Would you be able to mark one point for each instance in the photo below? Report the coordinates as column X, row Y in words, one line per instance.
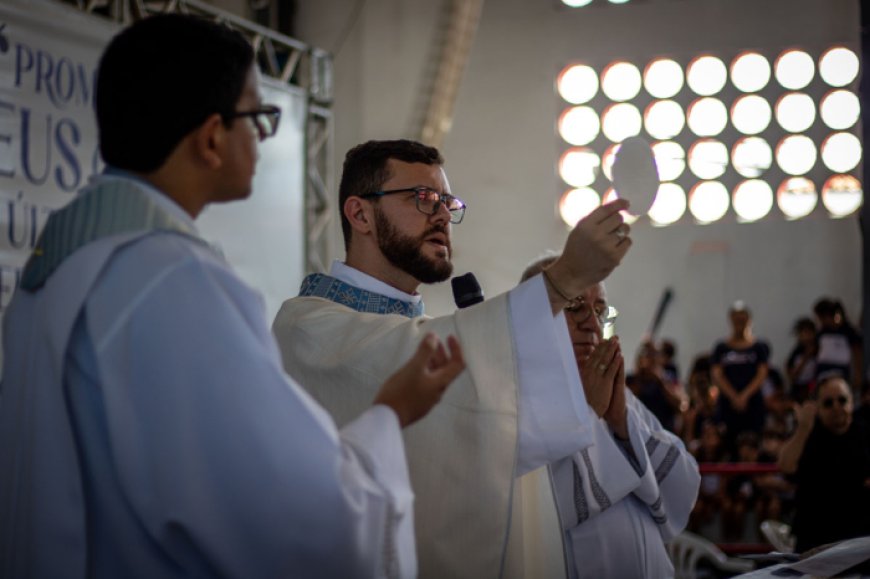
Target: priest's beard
column 406, row 253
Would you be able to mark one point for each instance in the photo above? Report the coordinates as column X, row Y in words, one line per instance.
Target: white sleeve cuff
column 554, row 418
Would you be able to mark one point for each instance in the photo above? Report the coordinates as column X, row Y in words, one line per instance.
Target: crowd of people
column 735, row 406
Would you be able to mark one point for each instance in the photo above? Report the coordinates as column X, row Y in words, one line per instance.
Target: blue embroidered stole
column 327, row 287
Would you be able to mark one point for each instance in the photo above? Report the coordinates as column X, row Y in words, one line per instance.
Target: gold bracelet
column 555, row 287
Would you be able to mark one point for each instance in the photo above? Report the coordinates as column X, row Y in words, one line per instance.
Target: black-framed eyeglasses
column 829, row 402
column 606, row 315
column 265, row 118
column 429, row 200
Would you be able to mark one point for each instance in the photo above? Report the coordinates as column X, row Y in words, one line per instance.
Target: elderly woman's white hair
column 539, row 264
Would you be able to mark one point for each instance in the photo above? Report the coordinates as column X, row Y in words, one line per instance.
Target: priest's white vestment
column 620, row 501
column 518, row 406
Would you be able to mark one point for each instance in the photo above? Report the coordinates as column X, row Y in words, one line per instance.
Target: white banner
column 48, row 149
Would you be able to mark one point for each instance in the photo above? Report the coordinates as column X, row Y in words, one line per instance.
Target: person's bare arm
column 594, row 248
column 793, row 448
column 722, row 382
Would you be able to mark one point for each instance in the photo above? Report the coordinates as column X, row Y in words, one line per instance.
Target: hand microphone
column 466, row 290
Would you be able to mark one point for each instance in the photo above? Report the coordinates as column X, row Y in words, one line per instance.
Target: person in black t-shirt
column 739, row 369
column 838, row 344
column 830, row 458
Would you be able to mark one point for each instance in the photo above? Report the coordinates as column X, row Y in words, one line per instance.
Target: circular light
column 620, row 121
column 838, row 66
column 610, row 195
column 796, row 197
column 607, row 160
column 708, row 201
column 670, row 160
column 752, row 200
column 796, row 154
column 620, row 81
column 706, row 75
column 750, row 72
column 841, row 152
column 663, row 78
column 707, row 117
column 750, row 114
column 578, row 84
column 842, row 195
column 708, row 158
column 794, row 69
column 579, row 167
column 840, row 109
column 669, row 206
column 579, row 125
column 751, row 156
column 577, row 204
column 795, row 112
column 576, row 3
column 664, row 119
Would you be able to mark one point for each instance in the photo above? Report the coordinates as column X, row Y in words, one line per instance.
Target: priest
column 519, row 405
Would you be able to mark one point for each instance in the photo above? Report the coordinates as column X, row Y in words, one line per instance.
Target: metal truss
column 283, row 59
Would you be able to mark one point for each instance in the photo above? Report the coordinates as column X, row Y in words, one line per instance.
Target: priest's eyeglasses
column 429, row 201
column 265, row 119
column 606, row 315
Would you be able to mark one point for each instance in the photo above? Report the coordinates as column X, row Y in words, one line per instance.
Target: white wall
column 501, row 152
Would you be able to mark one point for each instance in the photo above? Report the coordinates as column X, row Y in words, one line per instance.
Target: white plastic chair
column 779, row 535
column 688, row 550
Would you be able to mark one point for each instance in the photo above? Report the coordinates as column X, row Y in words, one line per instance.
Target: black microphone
column 466, row 290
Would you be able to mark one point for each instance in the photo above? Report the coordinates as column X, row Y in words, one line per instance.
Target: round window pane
column 708, row 158
column 841, row 152
column 620, row 81
column 669, row 206
column 620, row 121
column 795, row 112
column 794, row 69
column 663, row 78
column 842, row 195
column 579, row 125
column 751, row 156
column 664, row 119
column 610, row 195
column 578, row 84
column 607, row 160
column 579, row 167
column 708, row 201
column 838, row 66
column 670, row 160
column 750, row 72
column 577, row 204
column 796, row 197
column 706, row 75
column 796, row 154
column 840, row 109
column 751, row 114
column 752, row 200
column 707, row 117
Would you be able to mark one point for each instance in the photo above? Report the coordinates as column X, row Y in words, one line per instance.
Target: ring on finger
column 621, row 231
